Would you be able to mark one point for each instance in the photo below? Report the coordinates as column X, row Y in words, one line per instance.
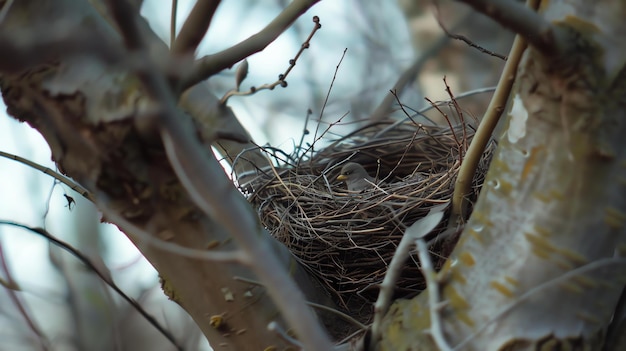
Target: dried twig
column 212, row 64
column 61, row 178
column 281, row 77
column 434, row 304
column 485, row 131
column 523, row 20
column 415, row 232
column 173, row 13
column 330, row 88
column 462, row 37
column 105, row 277
column 11, row 286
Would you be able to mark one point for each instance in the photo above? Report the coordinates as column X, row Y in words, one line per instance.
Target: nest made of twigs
column 347, row 239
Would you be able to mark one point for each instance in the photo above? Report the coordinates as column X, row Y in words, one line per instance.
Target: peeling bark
column 98, row 121
column 540, row 264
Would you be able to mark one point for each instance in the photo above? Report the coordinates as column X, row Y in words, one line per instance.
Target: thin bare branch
column 545, row 37
column 11, row 286
column 61, row 178
column 195, row 26
column 413, row 234
column 432, row 284
column 408, row 76
column 212, row 64
column 282, row 78
column 105, row 277
column 462, row 38
column 173, row 14
column 484, row 132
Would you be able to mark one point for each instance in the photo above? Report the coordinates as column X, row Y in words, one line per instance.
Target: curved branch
column 195, row 26
column 541, row 34
column 484, row 132
column 212, row 64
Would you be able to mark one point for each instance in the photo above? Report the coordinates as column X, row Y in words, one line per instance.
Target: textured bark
column 94, row 114
column 540, row 264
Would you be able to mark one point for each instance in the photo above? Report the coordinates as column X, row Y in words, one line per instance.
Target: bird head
column 355, row 176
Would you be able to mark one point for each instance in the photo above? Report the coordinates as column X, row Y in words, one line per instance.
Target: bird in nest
column 356, row 177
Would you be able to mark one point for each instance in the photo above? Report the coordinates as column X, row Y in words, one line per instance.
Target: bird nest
column 347, row 239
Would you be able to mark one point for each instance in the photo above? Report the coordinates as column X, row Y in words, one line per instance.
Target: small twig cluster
column 242, row 70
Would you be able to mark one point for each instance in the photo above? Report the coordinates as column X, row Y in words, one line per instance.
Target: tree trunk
column 71, row 79
column 540, row 264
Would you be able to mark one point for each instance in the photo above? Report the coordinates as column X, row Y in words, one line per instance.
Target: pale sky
column 26, row 193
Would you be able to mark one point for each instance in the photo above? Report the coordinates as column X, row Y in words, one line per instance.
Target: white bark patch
column 517, row 124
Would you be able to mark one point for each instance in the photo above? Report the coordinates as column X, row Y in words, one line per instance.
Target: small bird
column 356, row 177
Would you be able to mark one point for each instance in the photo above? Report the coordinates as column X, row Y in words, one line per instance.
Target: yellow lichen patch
column 540, row 246
column 446, row 268
column 572, row 256
column 614, row 217
column 564, row 265
column 531, row 162
column 501, row 165
column 457, row 276
column 572, row 287
column 474, row 234
column 541, row 231
column 481, row 218
column 457, row 302
column 511, row 280
column 212, row 244
column 467, row 259
column 585, row 281
column 551, row 344
column 556, row 195
column 506, row 187
column 542, row 197
column 582, row 26
column 169, row 290
column 502, row 289
column 541, row 252
column 465, row 318
column 216, row 321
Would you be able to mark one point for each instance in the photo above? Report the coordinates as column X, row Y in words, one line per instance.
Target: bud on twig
column 241, row 73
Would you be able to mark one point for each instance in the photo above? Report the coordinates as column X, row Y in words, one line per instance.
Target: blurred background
column 49, row 300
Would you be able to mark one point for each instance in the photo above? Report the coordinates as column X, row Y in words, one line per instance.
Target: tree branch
column 484, row 132
column 539, row 33
column 218, row 197
column 212, row 64
column 195, row 26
